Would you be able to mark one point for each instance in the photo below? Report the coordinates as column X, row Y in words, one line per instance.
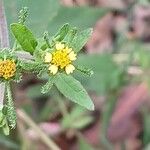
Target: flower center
column 7, row 68
column 60, row 58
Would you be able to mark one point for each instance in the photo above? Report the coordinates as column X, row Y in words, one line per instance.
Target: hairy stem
column 4, row 40
column 3, row 27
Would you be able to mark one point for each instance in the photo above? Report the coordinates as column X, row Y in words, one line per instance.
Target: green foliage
column 76, row 16
column 107, row 74
column 63, row 31
column 80, row 39
column 78, row 118
column 29, row 66
column 11, row 112
column 38, row 21
column 85, row 70
column 4, row 122
column 23, row 14
column 72, row 89
column 70, row 36
column 24, row 37
column 46, row 88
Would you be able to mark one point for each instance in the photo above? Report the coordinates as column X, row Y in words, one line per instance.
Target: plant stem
column 4, row 40
column 2, row 92
column 3, row 27
column 24, row 117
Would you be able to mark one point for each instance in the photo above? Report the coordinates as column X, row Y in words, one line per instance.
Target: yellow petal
column 69, row 69
column 48, row 57
column 53, row 69
column 60, row 46
column 72, row 56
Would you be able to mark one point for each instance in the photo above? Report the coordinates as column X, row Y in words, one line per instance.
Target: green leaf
column 24, row 37
column 107, row 74
column 78, row 118
column 6, row 129
column 46, row 88
column 82, row 122
column 72, row 89
column 77, row 17
column 81, row 39
column 37, row 21
column 70, row 36
column 62, row 32
column 85, row 70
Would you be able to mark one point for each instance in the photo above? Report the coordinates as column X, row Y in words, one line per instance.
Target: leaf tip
column 91, row 107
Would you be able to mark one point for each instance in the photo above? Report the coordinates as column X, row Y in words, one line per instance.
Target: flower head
column 7, row 68
column 61, row 58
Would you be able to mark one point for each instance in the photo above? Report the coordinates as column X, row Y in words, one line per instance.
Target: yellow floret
column 7, row 68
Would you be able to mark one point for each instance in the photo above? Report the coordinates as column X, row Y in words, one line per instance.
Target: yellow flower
column 61, row 58
column 7, row 68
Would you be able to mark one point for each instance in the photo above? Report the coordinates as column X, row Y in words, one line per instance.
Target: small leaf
column 78, row 118
column 81, row 39
column 85, row 70
column 6, row 129
column 62, row 32
column 70, row 36
column 46, row 88
column 24, row 37
column 72, row 89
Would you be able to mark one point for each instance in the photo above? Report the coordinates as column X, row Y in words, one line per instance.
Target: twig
column 3, row 27
column 24, row 117
column 4, row 43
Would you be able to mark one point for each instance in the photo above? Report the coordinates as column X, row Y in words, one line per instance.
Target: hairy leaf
column 24, row 37
column 81, row 39
column 72, row 89
column 62, row 32
column 46, row 88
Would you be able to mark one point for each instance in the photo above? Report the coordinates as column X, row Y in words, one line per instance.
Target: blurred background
column 119, row 54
